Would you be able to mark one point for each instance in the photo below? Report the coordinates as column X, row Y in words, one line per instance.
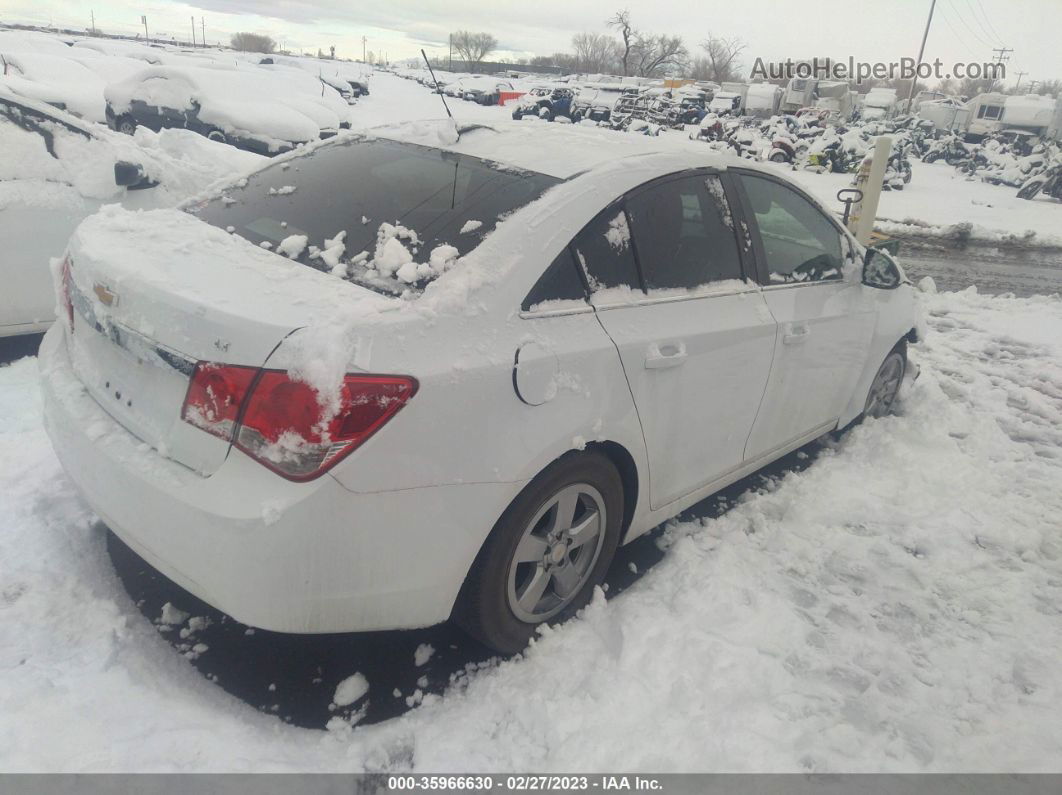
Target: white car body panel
column 386, row 537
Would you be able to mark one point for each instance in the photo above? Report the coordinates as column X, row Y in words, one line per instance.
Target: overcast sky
column 869, row 30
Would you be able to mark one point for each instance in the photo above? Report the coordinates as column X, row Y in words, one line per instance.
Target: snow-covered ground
column 895, row 606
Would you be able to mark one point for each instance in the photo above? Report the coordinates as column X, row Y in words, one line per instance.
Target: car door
column 694, row 336
column 824, row 319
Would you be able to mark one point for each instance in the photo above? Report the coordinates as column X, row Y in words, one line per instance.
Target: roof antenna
column 438, row 88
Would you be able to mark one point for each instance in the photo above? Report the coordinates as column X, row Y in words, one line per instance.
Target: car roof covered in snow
column 557, row 150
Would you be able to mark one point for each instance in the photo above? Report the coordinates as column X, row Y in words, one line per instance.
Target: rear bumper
column 289, row 557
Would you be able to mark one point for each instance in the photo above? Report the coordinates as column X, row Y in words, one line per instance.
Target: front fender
column 898, row 316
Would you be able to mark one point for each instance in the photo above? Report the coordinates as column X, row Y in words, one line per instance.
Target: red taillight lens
column 282, row 424
column 66, row 282
column 215, row 395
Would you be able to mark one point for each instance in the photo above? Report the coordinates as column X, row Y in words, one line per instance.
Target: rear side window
column 684, row 233
column 604, row 252
column 559, row 282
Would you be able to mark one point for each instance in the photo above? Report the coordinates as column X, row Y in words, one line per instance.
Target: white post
column 868, row 180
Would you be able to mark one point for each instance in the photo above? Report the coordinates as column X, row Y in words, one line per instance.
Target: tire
column 545, row 114
column 217, row 135
column 125, row 125
column 1031, row 190
column 778, row 157
column 490, row 607
column 881, row 396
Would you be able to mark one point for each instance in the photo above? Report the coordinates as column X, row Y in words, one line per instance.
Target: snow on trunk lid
column 155, row 292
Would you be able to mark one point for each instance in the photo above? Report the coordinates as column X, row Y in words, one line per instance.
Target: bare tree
column 621, row 21
column 654, row 56
column 721, row 55
column 252, row 42
column 474, row 47
column 594, row 52
column 969, row 87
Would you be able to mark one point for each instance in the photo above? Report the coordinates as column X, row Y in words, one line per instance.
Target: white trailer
column 879, row 103
column 763, row 99
column 986, row 114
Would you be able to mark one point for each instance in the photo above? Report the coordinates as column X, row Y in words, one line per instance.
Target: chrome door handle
column 665, row 354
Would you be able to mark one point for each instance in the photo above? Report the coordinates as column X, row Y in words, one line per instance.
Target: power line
column 967, row 25
column 955, row 33
column 989, row 21
column 977, row 19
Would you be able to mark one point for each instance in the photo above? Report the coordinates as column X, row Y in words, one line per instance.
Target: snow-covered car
column 595, row 103
column 57, row 170
column 485, row 90
column 262, row 109
column 459, row 389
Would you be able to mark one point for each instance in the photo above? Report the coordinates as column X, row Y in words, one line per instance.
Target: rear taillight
column 66, row 285
column 215, row 395
column 280, row 422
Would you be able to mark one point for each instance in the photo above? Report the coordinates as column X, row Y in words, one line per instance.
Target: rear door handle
column 665, row 354
column 796, row 333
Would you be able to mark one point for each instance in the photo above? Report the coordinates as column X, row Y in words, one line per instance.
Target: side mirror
column 880, row 271
column 131, row 175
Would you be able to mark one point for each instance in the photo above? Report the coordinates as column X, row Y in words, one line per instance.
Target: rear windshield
column 386, row 215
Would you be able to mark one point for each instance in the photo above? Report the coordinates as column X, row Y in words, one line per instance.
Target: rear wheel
column 886, row 384
column 546, row 554
column 217, row 135
column 125, row 125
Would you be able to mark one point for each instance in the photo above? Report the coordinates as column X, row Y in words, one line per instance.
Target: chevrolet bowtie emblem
column 107, row 298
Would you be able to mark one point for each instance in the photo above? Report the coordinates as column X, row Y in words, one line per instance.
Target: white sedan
column 414, row 375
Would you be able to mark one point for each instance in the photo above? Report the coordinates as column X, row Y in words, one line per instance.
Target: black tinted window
column 559, row 282
column 387, row 215
column 604, row 252
column 799, row 242
column 683, row 232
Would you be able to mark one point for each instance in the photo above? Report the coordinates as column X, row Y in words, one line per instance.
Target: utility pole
column 363, row 40
column 1020, row 76
column 93, row 13
column 921, row 52
column 202, row 30
column 193, row 33
column 1001, row 54
column 143, row 19
column 451, row 67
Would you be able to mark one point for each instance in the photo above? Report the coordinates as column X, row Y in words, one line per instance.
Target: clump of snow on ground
column 350, row 690
column 422, row 654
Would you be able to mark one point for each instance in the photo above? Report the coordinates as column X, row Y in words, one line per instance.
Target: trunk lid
column 155, row 292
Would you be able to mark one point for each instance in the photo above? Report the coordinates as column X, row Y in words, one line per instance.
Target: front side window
column 800, row 243
column 684, row 233
column 604, row 252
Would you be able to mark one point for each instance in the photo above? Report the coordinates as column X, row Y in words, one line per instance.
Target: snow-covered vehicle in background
column 545, row 102
column 296, row 399
column 485, row 90
column 57, row 169
column 595, row 102
column 878, row 104
column 726, row 103
column 351, row 80
column 252, row 108
column 763, row 100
